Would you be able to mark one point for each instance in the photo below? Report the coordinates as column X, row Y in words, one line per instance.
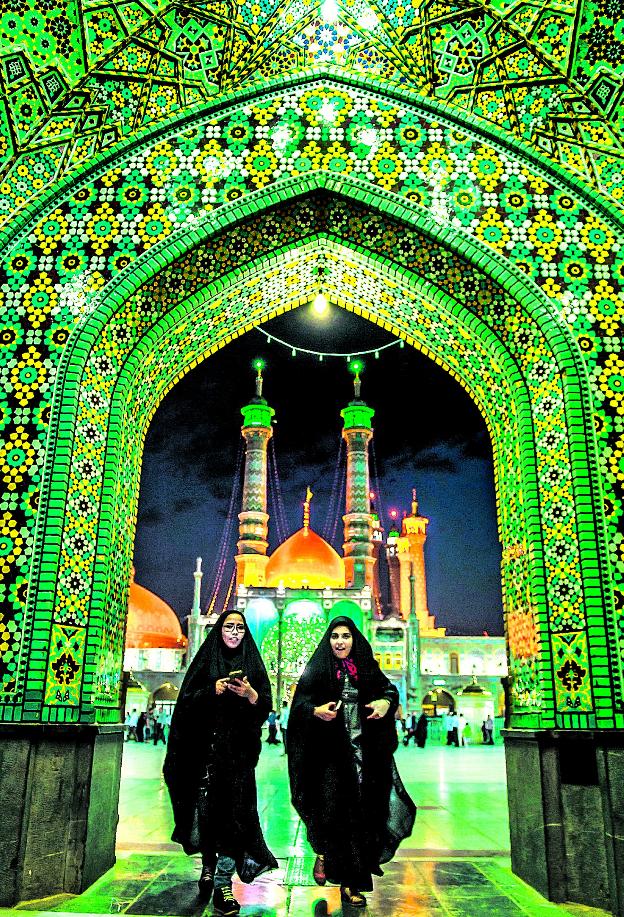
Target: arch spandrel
column 514, row 220
column 541, row 72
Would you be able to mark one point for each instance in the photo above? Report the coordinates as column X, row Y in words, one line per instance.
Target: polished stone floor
column 456, row 864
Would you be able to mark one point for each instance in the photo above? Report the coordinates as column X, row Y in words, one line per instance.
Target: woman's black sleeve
column 385, row 690
column 264, row 704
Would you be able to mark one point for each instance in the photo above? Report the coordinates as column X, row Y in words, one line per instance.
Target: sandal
column 319, row 870
column 352, row 896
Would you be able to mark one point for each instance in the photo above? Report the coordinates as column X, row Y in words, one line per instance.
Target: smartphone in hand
column 236, row 675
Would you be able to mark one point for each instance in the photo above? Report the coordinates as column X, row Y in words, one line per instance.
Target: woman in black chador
column 213, row 749
column 343, row 779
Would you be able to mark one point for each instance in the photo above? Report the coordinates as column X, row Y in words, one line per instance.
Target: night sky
column 428, row 435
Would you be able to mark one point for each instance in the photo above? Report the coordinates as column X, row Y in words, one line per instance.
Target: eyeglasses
column 231, row 628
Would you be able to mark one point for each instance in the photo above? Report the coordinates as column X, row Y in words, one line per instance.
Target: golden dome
column 152, row 624
column 305, row 560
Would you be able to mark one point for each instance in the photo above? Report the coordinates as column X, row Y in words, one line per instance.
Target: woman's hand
column 327, row 712
column 221, row 685
column 243, row 689
column 379, row 708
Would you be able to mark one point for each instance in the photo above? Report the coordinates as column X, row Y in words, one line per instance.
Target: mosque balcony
column 362, row 594
column 464, row 656
column 153, row 659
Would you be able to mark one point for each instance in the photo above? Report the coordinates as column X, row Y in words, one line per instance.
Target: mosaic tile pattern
column 64, row 308
column 78, row 76
column 599, row 60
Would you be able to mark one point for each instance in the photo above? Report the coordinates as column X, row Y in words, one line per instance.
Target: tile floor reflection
column 455, row 864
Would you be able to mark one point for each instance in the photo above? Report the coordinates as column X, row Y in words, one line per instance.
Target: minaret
column 195, row 628
column 392, row 559
column 358, row 530
column 413, row 644
column 411, row 554
column 251, row 559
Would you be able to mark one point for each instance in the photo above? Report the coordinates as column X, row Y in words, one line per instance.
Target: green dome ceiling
column 79, row 76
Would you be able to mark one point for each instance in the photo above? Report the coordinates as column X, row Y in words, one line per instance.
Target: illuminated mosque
column 289, row 595
column 172, row 176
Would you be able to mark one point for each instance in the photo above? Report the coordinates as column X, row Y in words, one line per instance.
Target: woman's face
column 341, row 641
column 233, row 630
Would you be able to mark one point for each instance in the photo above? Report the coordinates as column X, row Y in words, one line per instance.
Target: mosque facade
column 289, row 596
column 171, row 176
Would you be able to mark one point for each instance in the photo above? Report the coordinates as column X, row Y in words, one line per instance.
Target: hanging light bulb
column 320, row 304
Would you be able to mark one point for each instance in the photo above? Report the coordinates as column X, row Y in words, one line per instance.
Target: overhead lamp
column 320, row 304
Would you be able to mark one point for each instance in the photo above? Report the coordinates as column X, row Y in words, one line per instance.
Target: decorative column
column 195, row 628
column 358, row 530
column 415, row 529
column 394, row 570
column 378, row 545
column 251, row 558
column 411, row 553
column 413, row 648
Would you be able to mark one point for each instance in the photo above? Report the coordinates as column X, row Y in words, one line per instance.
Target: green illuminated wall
column 77, row 76
column 468, row 244
column 302, row 625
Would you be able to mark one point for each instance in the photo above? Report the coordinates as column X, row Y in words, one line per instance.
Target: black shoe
column 224, row 901
column 206, row 882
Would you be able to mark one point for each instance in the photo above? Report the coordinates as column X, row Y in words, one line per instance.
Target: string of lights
column 275, row 487
column 224, row 552
column 322, row 354
column 334, row 507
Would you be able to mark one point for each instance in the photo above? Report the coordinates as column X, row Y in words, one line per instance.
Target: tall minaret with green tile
column 251, row 558
column 358, row 529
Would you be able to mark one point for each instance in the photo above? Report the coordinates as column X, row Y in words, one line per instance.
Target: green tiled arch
column 563, row 633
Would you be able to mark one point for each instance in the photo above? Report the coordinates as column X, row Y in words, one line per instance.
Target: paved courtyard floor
column 455, row 864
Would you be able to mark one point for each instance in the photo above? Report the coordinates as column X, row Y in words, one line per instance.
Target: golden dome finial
column 306, row 509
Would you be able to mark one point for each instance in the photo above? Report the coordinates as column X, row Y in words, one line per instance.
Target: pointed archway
column 157, row 276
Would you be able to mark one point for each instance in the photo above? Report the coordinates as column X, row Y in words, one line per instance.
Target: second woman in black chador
column 344, row 782
column 213, row 749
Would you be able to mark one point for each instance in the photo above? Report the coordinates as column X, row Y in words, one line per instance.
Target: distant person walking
column 454, row 722
column 422, row 727
column 159, row 727
column 449, row 728
column 272, row 721
column 131, row 724
column 283, row 722
column 489, row 731
column 410, row 732
column 140, row 726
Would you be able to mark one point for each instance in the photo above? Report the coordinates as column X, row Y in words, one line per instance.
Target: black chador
column 344, row 782
column 213, row 749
